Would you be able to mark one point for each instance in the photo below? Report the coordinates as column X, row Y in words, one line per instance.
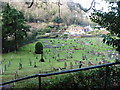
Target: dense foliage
column 13, row 28
column 84, row 80
column 38, row 48
column 111, row 21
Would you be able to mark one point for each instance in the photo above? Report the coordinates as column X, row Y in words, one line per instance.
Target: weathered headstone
column 2, row 71
column 20, row 65
column 9, row 63
column 11, row 57
column 80, row 64
column 65, row 65
column 59, row 69
column 16, row 74
column 36, row 57
column 71, row 65
column 35, row 64
column 30, row 62
column 5, row 67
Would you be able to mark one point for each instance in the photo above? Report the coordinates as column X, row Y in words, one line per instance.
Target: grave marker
column 5, row 68
column 71, row 65
column 30, row 62
column 11, row 57
column 80, row 64
column 9, row 63
column 20, row 65
column 65, row 65
column 35, row 64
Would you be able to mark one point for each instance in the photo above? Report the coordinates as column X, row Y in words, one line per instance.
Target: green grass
column 24, row 54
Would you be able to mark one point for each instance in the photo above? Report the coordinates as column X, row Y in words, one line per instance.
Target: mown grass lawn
column 67, row 51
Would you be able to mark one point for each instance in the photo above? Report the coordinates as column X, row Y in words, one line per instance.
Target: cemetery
column 58, row 54
column 59, row 45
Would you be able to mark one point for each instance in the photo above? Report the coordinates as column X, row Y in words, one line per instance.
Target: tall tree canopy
column 111, row 21
column 13, row 26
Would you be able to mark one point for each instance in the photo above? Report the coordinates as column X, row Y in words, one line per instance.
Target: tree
column 57, row 20
column 111, row 21
column 13, row 26
column 39, row 50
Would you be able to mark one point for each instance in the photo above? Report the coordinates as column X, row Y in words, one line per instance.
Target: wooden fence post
column 39, row 80
column 106, row 75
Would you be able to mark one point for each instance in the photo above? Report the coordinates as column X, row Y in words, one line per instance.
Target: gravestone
column 59, row 69
column 35, row 64
column 20, row 65
column 16, row 74
column 30, row 62
column 71, row 65
column 2, row 71
column 80, row 64
column 11, row 57
column 36, row 57
column 5, row 67
column 65, row 65
column 9, row 63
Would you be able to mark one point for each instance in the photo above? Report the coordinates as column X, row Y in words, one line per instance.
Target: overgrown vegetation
column 111, row 21
column 91, row 79
column 13, row 28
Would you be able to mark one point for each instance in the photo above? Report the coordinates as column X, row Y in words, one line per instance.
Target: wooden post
column 39, row 79
column 106, row 75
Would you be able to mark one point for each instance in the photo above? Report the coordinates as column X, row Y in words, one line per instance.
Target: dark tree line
column 13, row 28
column 111, row 21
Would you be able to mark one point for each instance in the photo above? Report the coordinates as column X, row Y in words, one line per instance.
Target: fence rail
column 57, row 73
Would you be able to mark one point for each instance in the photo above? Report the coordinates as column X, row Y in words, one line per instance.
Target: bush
column 39, row 48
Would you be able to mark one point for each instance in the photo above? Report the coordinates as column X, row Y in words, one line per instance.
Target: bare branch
column 31, row 4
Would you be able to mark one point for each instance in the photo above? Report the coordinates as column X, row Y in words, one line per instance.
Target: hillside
column 41, row 12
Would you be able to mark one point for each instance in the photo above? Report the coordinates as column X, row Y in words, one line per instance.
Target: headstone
column 5, row 67
column 16, row 72
column 15, row 52
column 20, row 65
column 71, row 65
column 36, row 57
column 65, row 65
column 2, row 71
column 11, row 57
column 59, row 69
column 30, row 62
column 9, row 63
column 35, row 64
column 80, row 64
